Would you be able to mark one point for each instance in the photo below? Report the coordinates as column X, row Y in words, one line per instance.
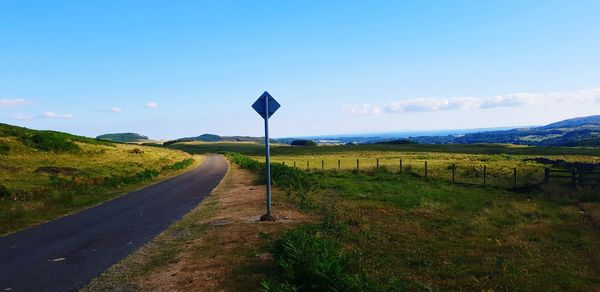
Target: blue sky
column 181, row 68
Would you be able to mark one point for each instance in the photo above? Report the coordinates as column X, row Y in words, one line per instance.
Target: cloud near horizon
column 5, row 103
column 53, row 115
column 151, row 105
column 431, row 104
column 361, row 109
column 415, row 105
column 21, row 116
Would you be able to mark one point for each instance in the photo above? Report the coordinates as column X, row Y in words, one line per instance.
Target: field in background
column 46, row 175
column 284, row 149
column 468, row 168
column 469, row 161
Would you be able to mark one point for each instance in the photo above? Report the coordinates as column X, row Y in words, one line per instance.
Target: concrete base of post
column 267, row 217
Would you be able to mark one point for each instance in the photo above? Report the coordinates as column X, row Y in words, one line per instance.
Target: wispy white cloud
column 361, row 109
column 512, row 100
column 5, row 103
column 508, row 100
column 151, row 105
column 112, row 110
column 21, row 116
column 431, row 104
column 53, row 115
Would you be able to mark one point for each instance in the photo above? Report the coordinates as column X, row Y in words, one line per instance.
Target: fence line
column 480, row 174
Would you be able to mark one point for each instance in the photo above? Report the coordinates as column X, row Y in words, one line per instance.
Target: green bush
column 178, row 165
column 4, row 148
column 309, row 261
column 291, row 180
column 48, row 141
column 303, row 143
column 4, row 193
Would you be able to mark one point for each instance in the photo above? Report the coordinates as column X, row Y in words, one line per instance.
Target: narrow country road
column 65, row 254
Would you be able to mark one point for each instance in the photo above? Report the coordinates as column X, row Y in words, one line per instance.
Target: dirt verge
column 219, row 246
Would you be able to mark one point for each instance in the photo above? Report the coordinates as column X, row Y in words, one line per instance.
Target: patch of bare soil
column 232, row 252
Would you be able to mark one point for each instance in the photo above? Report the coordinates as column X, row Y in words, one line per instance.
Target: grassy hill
column 46, row 174
column 569, row 132
column 216, row 138
column 123, row 137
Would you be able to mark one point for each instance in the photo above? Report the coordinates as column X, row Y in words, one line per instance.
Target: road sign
column 266, row 106
column 265, row 103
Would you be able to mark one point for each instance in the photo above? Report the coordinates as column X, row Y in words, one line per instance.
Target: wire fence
column 475, row 173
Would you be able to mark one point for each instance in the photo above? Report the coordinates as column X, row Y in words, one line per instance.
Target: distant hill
column 583, row 131
column 123, row 137
column 217, row 138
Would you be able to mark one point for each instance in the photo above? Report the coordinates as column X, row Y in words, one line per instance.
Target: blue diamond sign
column 264, row 102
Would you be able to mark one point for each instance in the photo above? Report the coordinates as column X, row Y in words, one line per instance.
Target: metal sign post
column 266, row 106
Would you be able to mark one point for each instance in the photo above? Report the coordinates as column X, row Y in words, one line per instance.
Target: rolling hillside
column 124, row 137
column 217, row 138
column 46, row 174
column 583, row 131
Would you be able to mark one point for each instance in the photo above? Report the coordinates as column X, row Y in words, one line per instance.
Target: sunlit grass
column 76, row 180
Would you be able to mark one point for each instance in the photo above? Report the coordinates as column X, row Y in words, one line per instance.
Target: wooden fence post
column 322, row 165
column 307, row 165
column 357, row 165
column 484, row 175
column 573, row 177
column 515, row 178
column 546, row 175
column 425, row 168
column 453, row 170
column 283, row 162
column 339, row 164
column 377, row 163
column 401, row 170
column 580, row 181
column 294, row 163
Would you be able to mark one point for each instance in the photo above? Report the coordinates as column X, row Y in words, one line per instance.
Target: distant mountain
column 123, row 137
column 583, row 131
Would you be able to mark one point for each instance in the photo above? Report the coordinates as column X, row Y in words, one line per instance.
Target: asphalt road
column 65, row 254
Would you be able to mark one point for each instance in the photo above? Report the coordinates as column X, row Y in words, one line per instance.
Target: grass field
column 40, row 182
column 487, row 149
column 381, row 231
column 468, row 161
column 468, row 168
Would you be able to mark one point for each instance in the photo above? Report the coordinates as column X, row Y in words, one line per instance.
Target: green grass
column 469, row 168
column 469, row 160
column 51, row 141
column 403, row 232
column 485, row 149
column 40, row 181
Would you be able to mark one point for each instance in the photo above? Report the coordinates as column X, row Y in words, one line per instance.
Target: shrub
column 310, row 261
column 49, row 141
column 4, row 193
column 292, row 180
column 178, row 165
column 4, row 148
column 303, row 143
